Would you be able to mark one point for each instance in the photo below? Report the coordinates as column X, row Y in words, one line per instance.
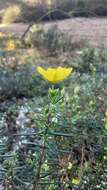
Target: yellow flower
column 76, row 181
column 55, row 75
column 10, row 45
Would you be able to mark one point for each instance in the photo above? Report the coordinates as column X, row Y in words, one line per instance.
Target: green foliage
column 20, row 82
column 61, row 132
column 51, row 39
column 71, row 129
column 89, row 60
column 86, row 61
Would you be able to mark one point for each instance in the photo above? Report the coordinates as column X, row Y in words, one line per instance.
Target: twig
column 37, row 178
column 41, row 159
column 69, row 15
column 42, row 17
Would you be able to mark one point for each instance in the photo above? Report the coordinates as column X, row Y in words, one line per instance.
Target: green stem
column 41, row 159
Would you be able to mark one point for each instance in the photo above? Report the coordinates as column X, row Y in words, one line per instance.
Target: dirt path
column 92, row 29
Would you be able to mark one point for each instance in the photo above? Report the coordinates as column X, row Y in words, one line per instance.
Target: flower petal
column 55, row 75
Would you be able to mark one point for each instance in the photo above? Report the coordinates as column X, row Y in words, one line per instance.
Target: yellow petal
column 55, row 75
column 62, row 73
column 10, row 45
column 41, row 70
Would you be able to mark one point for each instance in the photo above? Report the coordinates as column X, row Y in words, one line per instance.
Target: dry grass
column 92, row 29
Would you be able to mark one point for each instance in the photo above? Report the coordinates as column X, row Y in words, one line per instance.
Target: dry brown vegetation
column 32, row 10
column 92, row 29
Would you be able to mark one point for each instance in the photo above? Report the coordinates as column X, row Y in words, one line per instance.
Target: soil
column 94, row 30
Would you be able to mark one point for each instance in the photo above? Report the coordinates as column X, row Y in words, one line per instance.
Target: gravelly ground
column 92, row 29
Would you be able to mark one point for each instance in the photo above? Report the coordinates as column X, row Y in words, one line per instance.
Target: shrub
column 90, row 60
column 75, row 142
column 86, row 61
column 19, row 81
column 66, row 137
column 97, row 7
column 52, row 39
column 12, row 14
column 61, row 9
column 83, row 7
column 67, row 5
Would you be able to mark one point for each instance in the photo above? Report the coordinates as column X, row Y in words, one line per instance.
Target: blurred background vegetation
column 25, row 11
